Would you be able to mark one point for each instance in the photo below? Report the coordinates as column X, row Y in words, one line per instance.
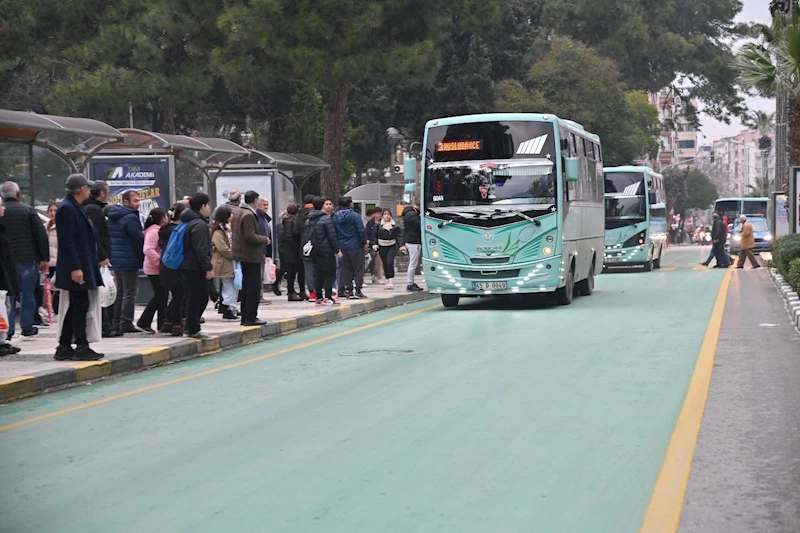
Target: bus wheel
column 565, row 293
column 657, row 262
column 449, row 300
column 649, row 265
column 586, row 286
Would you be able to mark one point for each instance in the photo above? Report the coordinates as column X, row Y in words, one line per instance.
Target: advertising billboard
column 150, row 176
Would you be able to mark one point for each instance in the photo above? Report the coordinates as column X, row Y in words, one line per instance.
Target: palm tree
column 771, row 67
column 763, row 123
column 761, row 189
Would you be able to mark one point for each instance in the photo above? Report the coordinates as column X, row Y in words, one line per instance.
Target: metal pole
column 31, row 190
column 130, row 114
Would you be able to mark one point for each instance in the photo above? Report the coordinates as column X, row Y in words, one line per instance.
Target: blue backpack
column 173, row 254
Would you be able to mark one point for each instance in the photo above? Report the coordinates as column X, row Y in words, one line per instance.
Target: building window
column 685, row 144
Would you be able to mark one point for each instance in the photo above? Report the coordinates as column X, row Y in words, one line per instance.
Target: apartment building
column 739, row 163
column 679, row 138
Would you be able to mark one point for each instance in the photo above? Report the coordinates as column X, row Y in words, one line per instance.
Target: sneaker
column 360, row 295
column 84, row 353
column 413, row 288
column 256, row 322
column 64, row 353
column 312, row 296
column 31, row 332
column 144, row 329
column 229, row 315
column 199, row 335
column 351, row 297
column 321, row 302
column 8, row 349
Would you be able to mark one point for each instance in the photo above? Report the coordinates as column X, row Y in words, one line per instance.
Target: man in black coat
column 31, row 252
column 196, row 268
column 412, row 231
column 77, row 269
column 8, row 279
column 94, row 206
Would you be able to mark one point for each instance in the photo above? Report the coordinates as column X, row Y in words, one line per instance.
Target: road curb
column 791, row 299
column 120, row 364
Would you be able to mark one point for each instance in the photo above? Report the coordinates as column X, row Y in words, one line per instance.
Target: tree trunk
column 794, row 132
column 332, row 145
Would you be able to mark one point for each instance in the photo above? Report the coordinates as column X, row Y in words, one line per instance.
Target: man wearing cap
column 77, row 269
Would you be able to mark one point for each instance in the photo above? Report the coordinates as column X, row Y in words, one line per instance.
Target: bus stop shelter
column 74, row 141
column 297, row 168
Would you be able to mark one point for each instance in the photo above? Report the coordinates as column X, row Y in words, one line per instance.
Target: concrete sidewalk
column 745, row 472
column 33, row 370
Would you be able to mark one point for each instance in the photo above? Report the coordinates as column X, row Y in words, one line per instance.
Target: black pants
column 353, row 269
column 157, row 304
column 175, row 311
column 388, row 254
column 251, row 291
column 295, row 271
column 74, row 321
column 196, row 299
column 324, row 275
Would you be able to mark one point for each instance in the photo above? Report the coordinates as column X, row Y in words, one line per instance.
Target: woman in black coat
column 290, row 253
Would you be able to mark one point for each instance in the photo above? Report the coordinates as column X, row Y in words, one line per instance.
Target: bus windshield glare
column 627, row 183
column 626, row 207
column 467, row 184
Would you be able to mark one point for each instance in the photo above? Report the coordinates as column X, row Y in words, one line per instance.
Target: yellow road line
column 134, row 392
column 668, row 269
column 666, row 503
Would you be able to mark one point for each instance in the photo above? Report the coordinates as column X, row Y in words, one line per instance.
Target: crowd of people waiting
column 220, row 256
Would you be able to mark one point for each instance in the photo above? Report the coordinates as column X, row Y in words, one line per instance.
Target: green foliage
column 688, row 188
column 793, row 276
column 573, row 82
column 761, row 189
column 785, row 250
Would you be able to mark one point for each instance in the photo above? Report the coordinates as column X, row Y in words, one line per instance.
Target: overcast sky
column 753, row 11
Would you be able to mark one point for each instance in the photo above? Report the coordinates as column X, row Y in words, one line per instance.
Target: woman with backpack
column 222, row 260
column 389, row 240
column 157, row 306
column 171, row 279
column 290, row 254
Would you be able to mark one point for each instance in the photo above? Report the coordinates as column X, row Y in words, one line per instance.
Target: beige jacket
column 221, row 254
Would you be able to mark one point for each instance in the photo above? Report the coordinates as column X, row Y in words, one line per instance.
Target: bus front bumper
column 626, row 256
column 468, row 280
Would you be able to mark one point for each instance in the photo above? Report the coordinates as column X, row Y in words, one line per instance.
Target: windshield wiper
column 516, row 213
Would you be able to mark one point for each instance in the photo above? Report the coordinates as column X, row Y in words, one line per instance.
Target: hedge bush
column 793, row 276
column 784, row 251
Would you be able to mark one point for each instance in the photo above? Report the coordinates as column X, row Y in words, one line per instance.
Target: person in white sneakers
column 389, row 239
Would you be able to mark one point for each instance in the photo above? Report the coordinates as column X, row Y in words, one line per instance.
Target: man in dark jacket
column 127, row 249
column 8, row 279
column 412, row 230
column 718, row 233
column 196, row 267
column 77, row 269
column 325, row 251
column 299, row 226
column 31, row 252
column 94, row 205
column 248, row 248
column 352, row 241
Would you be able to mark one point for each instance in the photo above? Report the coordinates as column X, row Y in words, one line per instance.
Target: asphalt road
column 495, row 416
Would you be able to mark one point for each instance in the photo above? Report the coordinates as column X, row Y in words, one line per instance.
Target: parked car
column 761, row 233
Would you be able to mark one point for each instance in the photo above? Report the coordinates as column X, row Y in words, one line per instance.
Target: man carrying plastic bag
column 77, row 274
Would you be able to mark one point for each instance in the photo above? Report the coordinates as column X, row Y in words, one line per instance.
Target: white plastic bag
column 107, row 294
column 94, row 317
column 269, row 272
column 3, row 317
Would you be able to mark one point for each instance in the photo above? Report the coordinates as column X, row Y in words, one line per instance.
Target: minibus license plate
column 489, row 285
column 612, row 260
